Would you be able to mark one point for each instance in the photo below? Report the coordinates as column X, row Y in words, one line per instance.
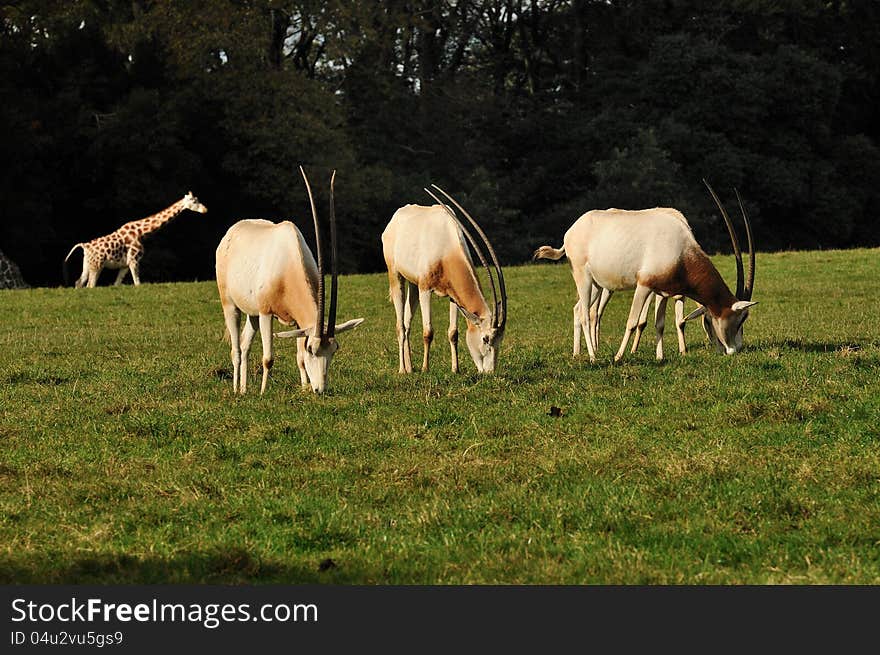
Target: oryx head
column 483, row 338
column 484, row 333
column 320, row 342
column 725, row 331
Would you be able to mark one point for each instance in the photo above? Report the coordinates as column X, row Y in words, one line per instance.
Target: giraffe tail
column 64, row 271
column 79, row 245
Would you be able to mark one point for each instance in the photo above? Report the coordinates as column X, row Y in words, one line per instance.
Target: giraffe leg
column 84, row 276
column 93, row 277
column 120, row 276
column 133, row 259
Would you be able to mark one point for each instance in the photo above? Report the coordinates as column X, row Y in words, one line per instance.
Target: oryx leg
column 265, row 321
column 594, row 318
column 584, row 285
column 680, row 323
column 231, row 316
column 427, row 326
column 640, row 298
column 659, row 321
column 580, row 326
column 301, row 362
column 409, row 309
column 251, row 324
column 643, row 322
column 452, row 335
column 603, row 302
column 398, row 289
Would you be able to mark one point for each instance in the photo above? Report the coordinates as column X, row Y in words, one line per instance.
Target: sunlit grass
column 125, row 457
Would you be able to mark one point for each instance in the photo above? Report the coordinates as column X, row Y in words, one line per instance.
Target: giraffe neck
column 154, row 222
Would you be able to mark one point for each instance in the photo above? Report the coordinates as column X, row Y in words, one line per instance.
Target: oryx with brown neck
column 654, row 252
column 266, row 270
column 426, row 250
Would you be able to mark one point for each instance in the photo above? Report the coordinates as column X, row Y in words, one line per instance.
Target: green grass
column 125, row 457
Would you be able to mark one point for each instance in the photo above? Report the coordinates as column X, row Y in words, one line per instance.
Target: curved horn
column 737, row 253
column 334, row 273
column 471, row 240
column 750, row 280
column 501, row 320
column 319, row 320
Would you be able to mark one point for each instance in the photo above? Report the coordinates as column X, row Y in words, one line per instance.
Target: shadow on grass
column 232, row 566
column 817, row 346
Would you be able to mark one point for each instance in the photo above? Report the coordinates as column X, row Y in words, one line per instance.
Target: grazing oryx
column 266, row 270
column 425, row 251
column 600, row 298
column 654, row 251
column 123, row 248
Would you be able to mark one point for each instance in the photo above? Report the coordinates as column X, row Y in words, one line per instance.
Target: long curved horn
column 334, row 263
column 319, row 320
column 471, row 240
column 501, row 320
column 737, row 253
column 750, row 280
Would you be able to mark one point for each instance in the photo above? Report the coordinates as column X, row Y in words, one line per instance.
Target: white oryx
column 654, row 252
column 425, row 251
column 267, row 271
column 600, row 298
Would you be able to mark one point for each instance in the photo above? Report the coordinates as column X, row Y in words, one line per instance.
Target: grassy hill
column 125, row 457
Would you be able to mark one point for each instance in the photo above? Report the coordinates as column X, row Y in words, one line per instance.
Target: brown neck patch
column 452, row 276
column 291, row 299
column 706, row 285
column 696, row 277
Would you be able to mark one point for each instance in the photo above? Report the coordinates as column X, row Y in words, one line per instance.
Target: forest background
column 530, row 113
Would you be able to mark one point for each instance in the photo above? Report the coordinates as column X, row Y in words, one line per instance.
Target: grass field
column 125, row 457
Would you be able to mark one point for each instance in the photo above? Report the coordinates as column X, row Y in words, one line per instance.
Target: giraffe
column 123, row 249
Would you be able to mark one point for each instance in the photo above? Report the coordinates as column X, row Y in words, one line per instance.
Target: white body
column 425, row 252
column 267, row 270
column 651, row 251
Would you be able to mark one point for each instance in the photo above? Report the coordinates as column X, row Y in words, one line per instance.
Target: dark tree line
column 529, row 112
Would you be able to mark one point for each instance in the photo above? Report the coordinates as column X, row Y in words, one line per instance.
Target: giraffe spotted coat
column 122, row 249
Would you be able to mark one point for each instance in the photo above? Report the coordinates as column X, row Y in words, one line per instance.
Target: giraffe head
column 192, row 203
